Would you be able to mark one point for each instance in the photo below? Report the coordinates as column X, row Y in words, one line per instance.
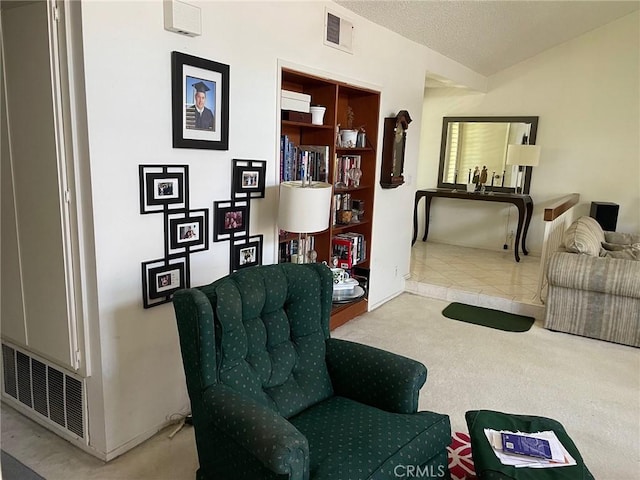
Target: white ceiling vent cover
column 338, row 32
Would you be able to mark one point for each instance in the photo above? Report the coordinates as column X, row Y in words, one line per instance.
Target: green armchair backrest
column 260, row 331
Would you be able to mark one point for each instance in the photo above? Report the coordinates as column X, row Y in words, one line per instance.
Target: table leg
column 526, row 227
column 427, row 207
column 415, row 218
column 521, row 216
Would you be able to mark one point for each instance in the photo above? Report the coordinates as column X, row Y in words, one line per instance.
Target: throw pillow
column 621, row 238
column 628, row 252
column 585, row 236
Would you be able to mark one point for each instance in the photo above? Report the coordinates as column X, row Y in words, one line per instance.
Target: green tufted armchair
column 274, row 397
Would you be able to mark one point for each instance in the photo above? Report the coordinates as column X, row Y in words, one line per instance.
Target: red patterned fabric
column 460, row 461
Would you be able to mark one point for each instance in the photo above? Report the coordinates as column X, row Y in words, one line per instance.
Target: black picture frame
column 163, row 187
column 248, row 179
column 191, row 75
column 188, row 231
column 161, row 278
column 245, row 252
column 231, row 220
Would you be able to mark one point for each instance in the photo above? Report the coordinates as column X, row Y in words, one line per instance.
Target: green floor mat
column 488, row 317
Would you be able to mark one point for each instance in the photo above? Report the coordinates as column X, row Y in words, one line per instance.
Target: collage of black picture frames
column 232, row 216
column 165, row 189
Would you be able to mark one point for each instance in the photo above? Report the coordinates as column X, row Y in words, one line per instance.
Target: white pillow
column 585, row 235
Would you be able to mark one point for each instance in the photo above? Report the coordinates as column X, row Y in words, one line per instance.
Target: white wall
column 586, row 93
column 128, row 85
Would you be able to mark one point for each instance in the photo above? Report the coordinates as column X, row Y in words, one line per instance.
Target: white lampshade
column 523, row 155
column 304, row 209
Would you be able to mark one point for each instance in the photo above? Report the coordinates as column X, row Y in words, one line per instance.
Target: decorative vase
column 355, row 174
column 317, row 114
column 348, row 138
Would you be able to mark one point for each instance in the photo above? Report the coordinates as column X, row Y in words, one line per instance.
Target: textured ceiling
column 489, row 36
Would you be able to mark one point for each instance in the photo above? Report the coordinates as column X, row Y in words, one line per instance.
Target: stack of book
column 290, row 251
column 532, row 450
column 344, row 164
column 301, row 161
column 350, row 249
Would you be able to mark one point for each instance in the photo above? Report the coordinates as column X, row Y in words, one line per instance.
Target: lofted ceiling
column 488, row 36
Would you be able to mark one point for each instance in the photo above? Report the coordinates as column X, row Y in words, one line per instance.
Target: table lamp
column 523, row 156
column 304, row 208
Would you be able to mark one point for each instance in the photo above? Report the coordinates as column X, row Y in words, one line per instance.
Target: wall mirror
column 470, row 142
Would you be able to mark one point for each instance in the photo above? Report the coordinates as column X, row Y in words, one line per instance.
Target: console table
column 524, row 203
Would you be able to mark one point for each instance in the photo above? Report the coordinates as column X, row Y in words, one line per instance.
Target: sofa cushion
column 624, row 252
column 348, row 439
column 585, row 235
column 619, row 238
column 621, row 245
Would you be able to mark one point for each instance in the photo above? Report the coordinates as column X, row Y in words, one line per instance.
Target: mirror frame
column 443, row 149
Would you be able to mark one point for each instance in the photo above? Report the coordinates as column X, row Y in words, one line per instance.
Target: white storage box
column 298, row 102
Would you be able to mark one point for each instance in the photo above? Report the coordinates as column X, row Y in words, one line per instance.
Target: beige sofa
column 594, row 284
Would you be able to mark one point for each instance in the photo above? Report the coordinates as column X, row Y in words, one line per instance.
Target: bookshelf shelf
column 352, row 189
column 290, row 123
column 352, row 226
column 352, row 151
column 343, row 102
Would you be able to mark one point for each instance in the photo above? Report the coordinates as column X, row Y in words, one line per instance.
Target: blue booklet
column 526, row 445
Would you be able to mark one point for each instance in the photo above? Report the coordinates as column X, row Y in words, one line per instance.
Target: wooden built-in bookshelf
column 364, row 103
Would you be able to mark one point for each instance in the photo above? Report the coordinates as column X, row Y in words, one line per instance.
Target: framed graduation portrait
column 200, row 102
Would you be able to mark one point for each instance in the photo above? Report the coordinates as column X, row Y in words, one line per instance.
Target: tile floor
column 486, row 278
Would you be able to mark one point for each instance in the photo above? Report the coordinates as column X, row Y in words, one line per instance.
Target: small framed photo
column 200, row 102
column 231, row 220
column 162, row 278
column 188, row 230
column 248, row 178
column 246, row 252
column 163, row 187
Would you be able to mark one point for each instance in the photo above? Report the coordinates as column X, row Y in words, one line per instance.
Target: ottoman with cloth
column 488, row 466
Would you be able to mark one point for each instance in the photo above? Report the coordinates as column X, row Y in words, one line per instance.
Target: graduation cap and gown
column 199, row 120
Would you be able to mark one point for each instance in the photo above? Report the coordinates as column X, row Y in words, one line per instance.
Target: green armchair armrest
column 375, row 377
column 264, row 433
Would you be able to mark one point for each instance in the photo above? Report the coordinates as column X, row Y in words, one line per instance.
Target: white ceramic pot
column 348, row 138
column 317, row 115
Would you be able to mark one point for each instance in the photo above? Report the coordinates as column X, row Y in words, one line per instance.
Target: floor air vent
column 44, row 389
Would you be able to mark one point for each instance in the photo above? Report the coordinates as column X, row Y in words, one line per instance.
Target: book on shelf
column 318, row 163
column 349, row 248
column 300, row 161
column 344, row 163
column 290, row 250
column 342, row 252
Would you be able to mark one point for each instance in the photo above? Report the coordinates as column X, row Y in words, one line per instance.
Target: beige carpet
column 592, row 387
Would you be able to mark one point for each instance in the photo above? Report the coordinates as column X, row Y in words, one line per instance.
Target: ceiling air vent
column 338, row 32
column 44, row 391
